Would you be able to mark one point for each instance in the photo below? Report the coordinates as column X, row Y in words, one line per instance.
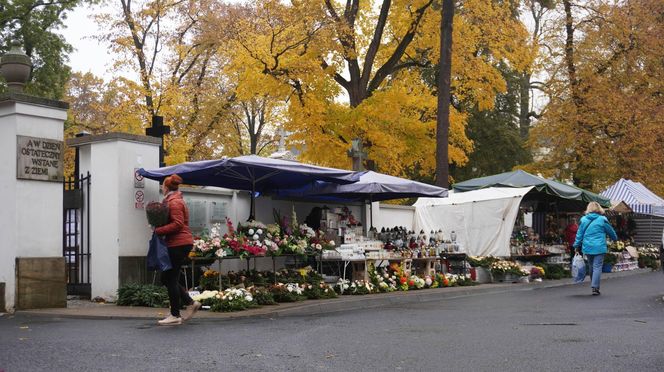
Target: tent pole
column 252, row 208
column 370, row 214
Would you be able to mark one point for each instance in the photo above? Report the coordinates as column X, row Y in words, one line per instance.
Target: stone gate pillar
column 31, row 217
column 118, row 228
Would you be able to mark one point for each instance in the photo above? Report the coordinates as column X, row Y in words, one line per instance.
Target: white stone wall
column 117, row 228
column 389, row 216
column 31, row 218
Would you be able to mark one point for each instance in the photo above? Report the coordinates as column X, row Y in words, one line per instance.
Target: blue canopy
column 372, row 186
column 637, row 196
column 252, row 173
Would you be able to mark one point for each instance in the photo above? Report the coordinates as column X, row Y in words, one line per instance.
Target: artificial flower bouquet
column 537, row 273
column 288, row 292
column 157, row 213
column 507, row 267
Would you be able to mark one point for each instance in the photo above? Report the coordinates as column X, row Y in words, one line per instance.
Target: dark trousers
column 177, row 294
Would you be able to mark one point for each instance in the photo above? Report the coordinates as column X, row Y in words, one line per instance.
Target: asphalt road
column 549, row 329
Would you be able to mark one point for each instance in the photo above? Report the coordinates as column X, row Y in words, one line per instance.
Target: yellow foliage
column 615, row 129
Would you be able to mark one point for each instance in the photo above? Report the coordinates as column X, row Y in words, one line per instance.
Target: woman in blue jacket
column 591, row 236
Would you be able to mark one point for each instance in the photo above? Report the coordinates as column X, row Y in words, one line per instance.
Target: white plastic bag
column 578, row 269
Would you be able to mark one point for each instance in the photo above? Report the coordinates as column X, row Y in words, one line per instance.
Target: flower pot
column 505, row 278
column 482, row 275
column 607, row 267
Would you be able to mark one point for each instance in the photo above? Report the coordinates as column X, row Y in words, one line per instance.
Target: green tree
column 31, row 24
column 498, row 146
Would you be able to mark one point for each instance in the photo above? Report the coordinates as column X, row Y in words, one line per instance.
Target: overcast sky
column 89, row 55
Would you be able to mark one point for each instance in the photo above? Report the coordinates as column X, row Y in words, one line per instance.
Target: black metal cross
column 158, row 129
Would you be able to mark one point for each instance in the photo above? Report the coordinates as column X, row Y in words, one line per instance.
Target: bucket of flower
column 506, row 271
column 536, row 273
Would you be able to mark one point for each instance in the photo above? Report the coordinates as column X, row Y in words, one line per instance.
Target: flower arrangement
column 384, row 281
column 317, row 291
column 233, row 299
column 360, row 287
column 507, row 267
column 288, row 292
column 341, row 285
column 537, row 273
column 481, row 261
column 262, row 296
column 415, row 282
column 157, row 213
column 206, row 297
column 209, row 280
column 649, row 257
column 617, row 246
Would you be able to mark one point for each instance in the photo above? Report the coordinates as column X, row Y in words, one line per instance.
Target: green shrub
column 142, row 295
column 263, row 297
column 555, row 271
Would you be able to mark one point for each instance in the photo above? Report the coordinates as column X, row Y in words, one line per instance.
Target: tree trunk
column 580, row 177
column 444, row 95
column 524, row 112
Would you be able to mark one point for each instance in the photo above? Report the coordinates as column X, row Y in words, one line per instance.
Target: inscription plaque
column 39, row 159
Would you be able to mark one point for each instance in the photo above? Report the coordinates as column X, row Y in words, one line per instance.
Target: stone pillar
column 118, row 226
column 31, row 148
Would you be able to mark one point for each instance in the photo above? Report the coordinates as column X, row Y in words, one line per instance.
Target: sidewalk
column 91, row 310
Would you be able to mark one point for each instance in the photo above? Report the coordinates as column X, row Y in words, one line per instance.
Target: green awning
column 520, row 178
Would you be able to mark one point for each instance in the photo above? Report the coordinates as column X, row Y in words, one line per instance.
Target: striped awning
column 637, row 196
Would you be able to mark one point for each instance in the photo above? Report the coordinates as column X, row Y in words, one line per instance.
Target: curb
column 316, row 307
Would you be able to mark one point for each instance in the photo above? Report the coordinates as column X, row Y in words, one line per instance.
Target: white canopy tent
column 483, row 219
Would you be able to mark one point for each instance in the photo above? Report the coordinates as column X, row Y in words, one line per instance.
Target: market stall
column 482, row 220
column 638, row 216
column 414, row 253
column 645, row 223
column 328, row 234
column 528, row 225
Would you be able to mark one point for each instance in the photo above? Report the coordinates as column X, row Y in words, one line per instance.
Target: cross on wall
column 158, row 129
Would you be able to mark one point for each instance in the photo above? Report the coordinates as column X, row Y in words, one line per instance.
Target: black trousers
column 177, row 294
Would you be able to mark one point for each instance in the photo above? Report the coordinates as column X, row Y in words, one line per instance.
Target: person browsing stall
column 591, row 240
column 180, row 242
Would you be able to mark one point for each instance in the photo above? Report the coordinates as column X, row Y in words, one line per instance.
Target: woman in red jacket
column 179, row 241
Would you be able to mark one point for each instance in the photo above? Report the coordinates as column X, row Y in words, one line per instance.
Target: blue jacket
column 592, row 233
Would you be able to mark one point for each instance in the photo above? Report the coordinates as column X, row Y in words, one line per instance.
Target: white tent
column 483, row 219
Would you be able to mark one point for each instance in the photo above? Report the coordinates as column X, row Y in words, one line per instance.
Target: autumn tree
column 604, row 118
column 357, row 72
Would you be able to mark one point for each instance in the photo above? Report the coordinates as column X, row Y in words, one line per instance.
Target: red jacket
column 177, row 229
column 570, row 233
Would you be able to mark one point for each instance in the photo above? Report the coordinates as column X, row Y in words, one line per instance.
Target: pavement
column 90, row 310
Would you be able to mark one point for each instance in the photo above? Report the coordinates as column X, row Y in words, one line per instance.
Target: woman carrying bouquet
column 179, row 241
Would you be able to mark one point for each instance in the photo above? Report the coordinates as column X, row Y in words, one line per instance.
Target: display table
column 455, row 262
column 531, row 257
column 424, row 266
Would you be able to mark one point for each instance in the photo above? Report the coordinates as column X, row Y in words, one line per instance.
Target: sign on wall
column 39, row 159
column 139, row 181
column 218, row 211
